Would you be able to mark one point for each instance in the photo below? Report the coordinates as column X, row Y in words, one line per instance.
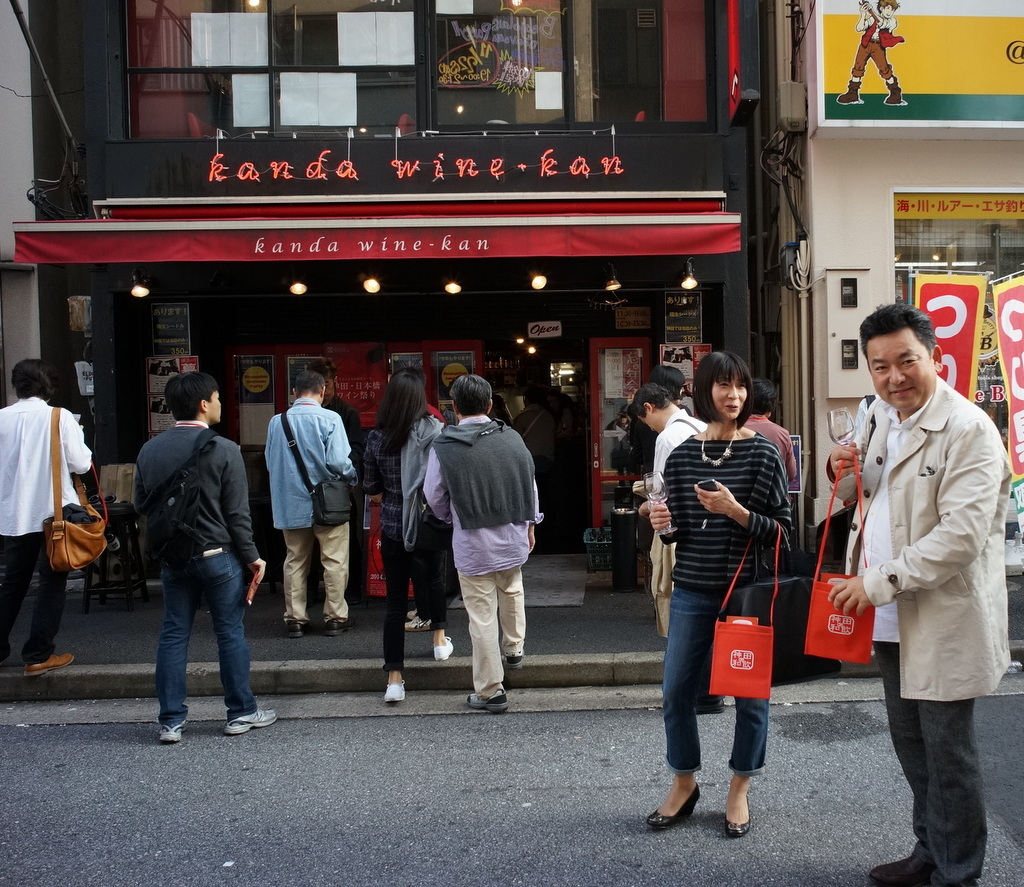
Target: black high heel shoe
column 659, row 821
column 737, row 829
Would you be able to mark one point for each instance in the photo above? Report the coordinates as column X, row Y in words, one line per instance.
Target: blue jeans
column 936, row 747
column 691, row 633
column 221, row 579
column 21, row 556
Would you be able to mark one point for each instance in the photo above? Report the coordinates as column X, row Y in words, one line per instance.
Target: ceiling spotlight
column 689, row 282
column 613, row 281
column 538, row 281
column 140, row 283
column 452, row 288
column 371, row 285
column 936, row 257
column 298, row 288
column 532, row 349
column 520, row 340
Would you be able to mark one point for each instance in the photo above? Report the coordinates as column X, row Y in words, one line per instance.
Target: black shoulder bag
column 332, row 501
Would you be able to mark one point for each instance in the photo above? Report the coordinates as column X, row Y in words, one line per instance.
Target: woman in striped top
column 712, row 532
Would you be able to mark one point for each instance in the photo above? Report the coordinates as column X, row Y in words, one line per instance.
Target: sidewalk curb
column 135, row 680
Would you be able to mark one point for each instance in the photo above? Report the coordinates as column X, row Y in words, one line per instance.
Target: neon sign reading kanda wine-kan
column 439, row 167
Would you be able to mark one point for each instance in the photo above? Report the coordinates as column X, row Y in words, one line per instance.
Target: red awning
column 525, row 228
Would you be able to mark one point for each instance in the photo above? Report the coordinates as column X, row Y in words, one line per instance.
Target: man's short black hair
column 471, row 395
column 185, row 391
column 309, row 382
column 658, row 396
column 324, row 366
column 35, row 377
column 670, row 377
column 720, row 366
column 888, row 319
column 764, row 397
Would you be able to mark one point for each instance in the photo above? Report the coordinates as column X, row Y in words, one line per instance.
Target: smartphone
column 710, row 485
column 251, row 593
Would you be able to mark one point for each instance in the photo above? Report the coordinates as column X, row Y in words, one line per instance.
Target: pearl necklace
column 716, row 463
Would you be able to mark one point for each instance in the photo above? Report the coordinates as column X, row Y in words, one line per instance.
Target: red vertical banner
column 955, row 303
column 735, row 84
column 1008, row 296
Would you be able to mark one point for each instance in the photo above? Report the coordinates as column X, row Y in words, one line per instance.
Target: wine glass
column 841, row 427
column 654, row 489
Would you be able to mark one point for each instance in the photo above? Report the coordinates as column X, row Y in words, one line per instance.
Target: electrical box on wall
column 793, row 106
column 847, row 303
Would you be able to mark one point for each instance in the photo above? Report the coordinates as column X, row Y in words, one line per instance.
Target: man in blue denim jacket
column 322, row 443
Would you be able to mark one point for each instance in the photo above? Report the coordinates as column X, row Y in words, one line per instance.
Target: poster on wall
column 172, row 336
column 160, row 369
column 254, row 375
column 683, row 318
column 405, row 359
column 890, row 62
column 1008, row 296
column 160, row 418
column 447, row 367
column 362, row 375
column 295, row 364
column 686, row 358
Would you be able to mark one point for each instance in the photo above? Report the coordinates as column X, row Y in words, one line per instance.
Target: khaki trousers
column 333, row 555
column 491, row 600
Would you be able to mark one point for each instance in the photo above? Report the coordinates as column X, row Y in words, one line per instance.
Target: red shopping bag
column 830, row 632
column 741, row 659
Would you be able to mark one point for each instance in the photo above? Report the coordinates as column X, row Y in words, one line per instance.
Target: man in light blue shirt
column 323, row 445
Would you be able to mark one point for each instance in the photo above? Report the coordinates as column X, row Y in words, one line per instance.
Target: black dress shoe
column 909, row 872
column 737, row 829
column 659, row 821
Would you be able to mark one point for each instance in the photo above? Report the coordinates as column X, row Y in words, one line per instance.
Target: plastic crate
column 598, row 541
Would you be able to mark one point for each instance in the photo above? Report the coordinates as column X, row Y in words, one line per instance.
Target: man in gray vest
column 480, row 477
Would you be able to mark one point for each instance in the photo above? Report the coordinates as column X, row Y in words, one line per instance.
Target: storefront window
column 327, row 63
column 199, row 66
column 963, row 233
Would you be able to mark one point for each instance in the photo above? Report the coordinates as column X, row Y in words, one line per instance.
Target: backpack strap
column 202, row 439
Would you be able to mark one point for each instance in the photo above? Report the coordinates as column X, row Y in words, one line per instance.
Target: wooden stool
column 121, row 571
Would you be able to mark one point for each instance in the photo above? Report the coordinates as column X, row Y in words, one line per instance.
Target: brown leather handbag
column 76, row 538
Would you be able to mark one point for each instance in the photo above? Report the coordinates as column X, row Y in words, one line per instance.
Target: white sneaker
column 262, row 717
column 395, row 692
column 444, row 651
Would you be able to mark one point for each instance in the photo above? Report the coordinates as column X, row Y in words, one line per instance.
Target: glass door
column 618, row 368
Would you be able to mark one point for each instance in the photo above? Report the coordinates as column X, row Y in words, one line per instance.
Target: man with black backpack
column 192, row 484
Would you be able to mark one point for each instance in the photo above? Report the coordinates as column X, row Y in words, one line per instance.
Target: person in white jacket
column 936, row 482
column 26, row 500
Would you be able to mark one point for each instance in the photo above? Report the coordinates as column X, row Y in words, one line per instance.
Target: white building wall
column 850, row 187
column 19, row 302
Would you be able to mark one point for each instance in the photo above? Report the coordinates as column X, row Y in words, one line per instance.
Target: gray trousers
column 936, row 748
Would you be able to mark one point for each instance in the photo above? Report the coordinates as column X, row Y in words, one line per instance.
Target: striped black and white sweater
column 709, row 546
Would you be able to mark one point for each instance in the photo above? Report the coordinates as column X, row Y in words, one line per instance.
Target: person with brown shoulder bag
column 26, row 501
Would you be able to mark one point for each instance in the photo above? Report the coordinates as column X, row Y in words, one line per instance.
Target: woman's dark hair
column 669, row 377
column 720, row 366
column 403, row 403
column 35, row 377
column 185, row 391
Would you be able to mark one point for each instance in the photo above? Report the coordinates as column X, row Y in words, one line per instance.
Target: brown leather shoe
column 49, row 665
column 909, row 872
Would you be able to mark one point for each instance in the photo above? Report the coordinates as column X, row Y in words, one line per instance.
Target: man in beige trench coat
column 936, row 483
